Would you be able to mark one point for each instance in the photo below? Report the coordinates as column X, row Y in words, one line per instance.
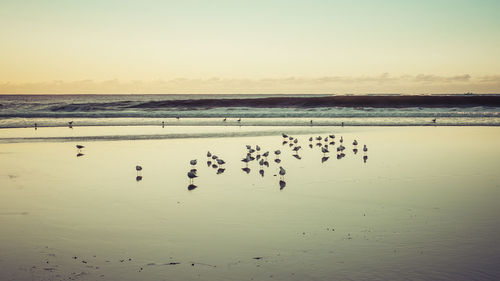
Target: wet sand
column 424, row 206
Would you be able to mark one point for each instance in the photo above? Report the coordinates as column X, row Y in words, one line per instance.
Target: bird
column 261, row 172
column 214, row 157
column 209, row 154
column 193, row 162
column 355, row 142
column 318, row 138
column 295, row 141
column 257, row 147
column 311, row 139
column 297, row 148
column 224, row 120
column 282, row 184
column 324, row 150
column 365, row 157
column 79, row 146
column 191, row 175
column 246, row 170
column 70, row 123
column 220, row 171
column 239, row 120
column 324, row 158
column 434, row 120
column 365, row 149
column 282, row 172
column 332, row 136
column 163, row 124
column 209, row 163
column 341, row 139
column 248, row 146
column 277, row 152
column 220, row 162
column 265, row 154
column 138, row 169
column 284, row 136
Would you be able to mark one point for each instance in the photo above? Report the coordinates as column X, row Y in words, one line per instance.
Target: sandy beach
column 424, row 206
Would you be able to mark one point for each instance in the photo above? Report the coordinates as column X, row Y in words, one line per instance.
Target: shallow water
column 424, row 206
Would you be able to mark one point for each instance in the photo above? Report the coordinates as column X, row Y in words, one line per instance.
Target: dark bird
column 365, row 149
column 191, row 175
column 220, row 171
column 224, row 120
column 79, row 146
column 284, row 136
column 282, row 172
column 209, row 154
column 355, row 142
column 209, row 163
column 282, row 184
column 191, row 187
column 220, row 162
column 193, row 162
column 246, row 170
column 261, row 172
column 434, row 120
column 365, row 157
column 324, row 158
column 79, row 154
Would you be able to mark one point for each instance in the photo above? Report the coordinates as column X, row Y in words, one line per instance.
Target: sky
column 217, row 46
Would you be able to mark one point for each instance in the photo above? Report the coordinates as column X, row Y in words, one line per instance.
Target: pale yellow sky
column 249, row 46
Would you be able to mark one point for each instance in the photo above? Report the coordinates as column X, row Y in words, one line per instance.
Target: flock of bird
column 257, row 154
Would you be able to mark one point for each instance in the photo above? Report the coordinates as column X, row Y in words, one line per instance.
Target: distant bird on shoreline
column 79, row 146
column 434, row 120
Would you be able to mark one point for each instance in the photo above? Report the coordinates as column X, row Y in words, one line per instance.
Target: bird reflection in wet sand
column 79, row 154
column 138, row 178
column 191, row 187
column 355, row 150
column 246, row 170
column 261, row 172
column 365, row 158
column 297, row 156
column 282, row 184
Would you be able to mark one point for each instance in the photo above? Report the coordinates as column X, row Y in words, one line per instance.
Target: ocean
column 23, row 111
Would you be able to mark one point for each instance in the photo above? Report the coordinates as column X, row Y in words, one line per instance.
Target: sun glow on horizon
column 249, row 46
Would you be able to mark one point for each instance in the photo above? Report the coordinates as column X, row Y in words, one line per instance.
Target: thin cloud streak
column 383, row 83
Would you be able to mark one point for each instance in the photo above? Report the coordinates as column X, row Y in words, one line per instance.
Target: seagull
column 79, row 146
column 191, row 175
column 297, row 148
column 324, row 150
column 277, row 152
column 283, row 183
column 282, row 172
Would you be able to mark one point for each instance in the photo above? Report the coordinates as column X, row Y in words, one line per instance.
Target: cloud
column 383, row 83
